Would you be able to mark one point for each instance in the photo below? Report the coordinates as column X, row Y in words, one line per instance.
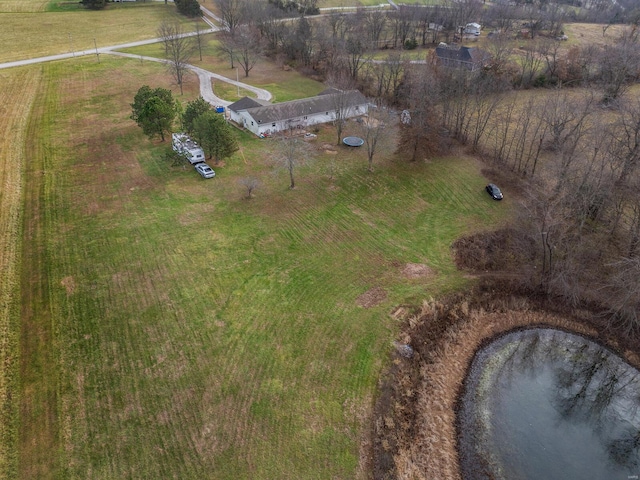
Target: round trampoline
column 353, row 141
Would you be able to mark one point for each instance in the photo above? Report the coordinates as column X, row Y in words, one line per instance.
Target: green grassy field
column 175, row 329
column 37, row 34
column 23, row 6
column 16, row 97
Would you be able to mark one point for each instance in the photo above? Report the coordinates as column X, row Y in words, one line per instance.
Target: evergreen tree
column 194, row 109
column 214, row 135
column 154, row 111
column 94, row 4
column 188, row 8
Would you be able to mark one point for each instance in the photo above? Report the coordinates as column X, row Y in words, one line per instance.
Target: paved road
column 206, row 77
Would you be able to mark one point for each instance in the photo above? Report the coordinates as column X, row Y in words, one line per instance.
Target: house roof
column 307, row 106
column 462, row 54
column 329, row 90
column 245, row 103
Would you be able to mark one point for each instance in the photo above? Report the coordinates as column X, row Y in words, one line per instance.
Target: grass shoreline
column 420, row 438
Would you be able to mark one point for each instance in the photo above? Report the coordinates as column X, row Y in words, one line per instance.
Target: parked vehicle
column 183, row 144
column 494, row 191
column 205, row 170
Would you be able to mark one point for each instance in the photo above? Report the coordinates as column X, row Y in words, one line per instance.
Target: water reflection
column 545, row 404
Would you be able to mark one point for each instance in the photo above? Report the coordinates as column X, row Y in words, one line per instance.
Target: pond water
column 546, row 404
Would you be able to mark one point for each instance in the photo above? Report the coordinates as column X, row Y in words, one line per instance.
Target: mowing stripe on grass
column 16, row 96
column 39, row 443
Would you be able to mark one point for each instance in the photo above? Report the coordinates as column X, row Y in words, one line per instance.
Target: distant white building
column 268, row 119
column 472, row 29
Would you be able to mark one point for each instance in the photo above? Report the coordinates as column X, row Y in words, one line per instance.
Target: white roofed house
column 265, row 120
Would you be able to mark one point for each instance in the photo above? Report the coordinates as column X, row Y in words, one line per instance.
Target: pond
column 546, row 404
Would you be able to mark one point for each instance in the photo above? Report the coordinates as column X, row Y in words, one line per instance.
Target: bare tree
column 178, row 49
column 227, row 47
column 292, row 153
column 250, row 184
column 530, row 65
column 623, row 291
column 386, row 76
column 199, row 40
column 402, row 26
column 269, row 21
column 619, row 65
column 461, row 12
column 420, row 125
column 564, row 116
column 553, row 17
column 355, row 53
column 499, row 47
column 338, row 26
column 550, row 50
column 298, row 44
column 375, row 22
column 484, row 103
column 233, row 13
column 247, row 47
column 340, row 100
column 375, row 131
column 501, row 16
column 626, row 144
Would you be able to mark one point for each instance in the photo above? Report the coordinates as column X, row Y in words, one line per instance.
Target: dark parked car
column 494, row 191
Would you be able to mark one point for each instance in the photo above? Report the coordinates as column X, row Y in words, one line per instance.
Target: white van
column 182, row 143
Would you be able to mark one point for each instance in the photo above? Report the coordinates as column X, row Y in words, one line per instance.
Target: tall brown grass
column 419, row 421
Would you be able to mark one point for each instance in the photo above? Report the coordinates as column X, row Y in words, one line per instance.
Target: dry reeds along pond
column 543, row 403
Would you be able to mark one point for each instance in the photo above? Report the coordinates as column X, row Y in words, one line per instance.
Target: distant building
column 264, row 119
column 472, row 29
column 469, row 58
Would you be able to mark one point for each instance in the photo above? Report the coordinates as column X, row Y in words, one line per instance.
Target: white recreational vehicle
column 182, row 143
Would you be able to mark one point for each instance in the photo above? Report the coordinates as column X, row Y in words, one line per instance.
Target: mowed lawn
column 41, row 33
column 183, row 331
column 17, row 95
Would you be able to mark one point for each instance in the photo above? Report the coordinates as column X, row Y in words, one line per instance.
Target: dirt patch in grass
column 69, row 285
column 372, row 297
column 417, row 270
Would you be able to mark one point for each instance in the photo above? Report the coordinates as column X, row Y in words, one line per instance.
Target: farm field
column 16, row 98
column 65, row 31
column 176, row 329
column 23, row 6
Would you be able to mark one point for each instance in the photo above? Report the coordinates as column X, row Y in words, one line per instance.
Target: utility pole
column 71, row 45
column 238, row 81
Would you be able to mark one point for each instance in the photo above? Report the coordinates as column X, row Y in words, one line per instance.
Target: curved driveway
column 206, row 77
